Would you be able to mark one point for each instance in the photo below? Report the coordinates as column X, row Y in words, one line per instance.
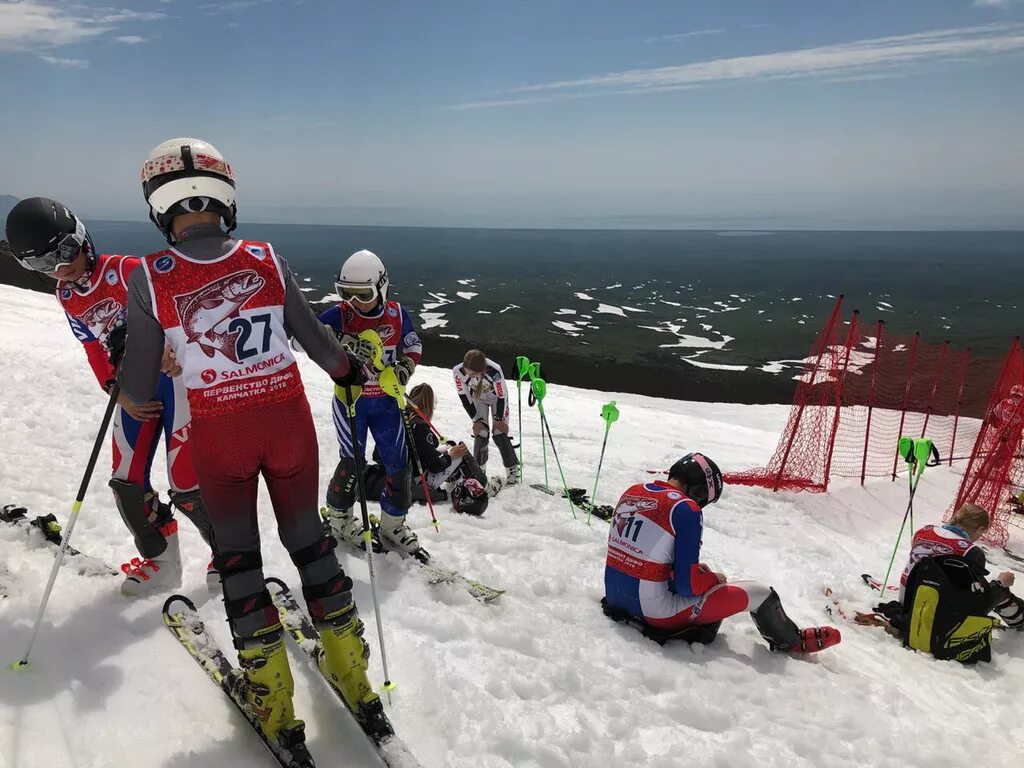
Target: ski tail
column 182, row 619
column 580, row 500
column 52, row 534
column 379, row 731
column 876, row 585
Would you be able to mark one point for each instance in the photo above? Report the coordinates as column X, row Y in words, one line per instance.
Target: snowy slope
column 541, row 678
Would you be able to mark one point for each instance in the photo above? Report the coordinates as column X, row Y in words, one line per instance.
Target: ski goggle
column 176, row 165
column 365, row 293
column 64, row 252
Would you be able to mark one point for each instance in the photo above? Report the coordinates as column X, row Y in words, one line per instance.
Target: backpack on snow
column 946, row 606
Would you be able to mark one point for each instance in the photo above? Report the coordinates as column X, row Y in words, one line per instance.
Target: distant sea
column 698, row 314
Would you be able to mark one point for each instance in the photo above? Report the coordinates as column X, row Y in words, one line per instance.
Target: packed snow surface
column 540, row 679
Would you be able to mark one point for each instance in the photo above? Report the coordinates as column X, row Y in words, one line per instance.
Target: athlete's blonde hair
column 971, row 518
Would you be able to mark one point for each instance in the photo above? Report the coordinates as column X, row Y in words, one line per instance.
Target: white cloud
column 131, row 39
column 993, row 3
column 876, row 56
column 684, row 35
column 230, row 6
column 115, row 16
column 27, row 25
column 65, row 63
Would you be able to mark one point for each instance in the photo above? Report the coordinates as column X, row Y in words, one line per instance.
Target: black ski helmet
column 469, row 496
column 44, row 234
column 700, row 477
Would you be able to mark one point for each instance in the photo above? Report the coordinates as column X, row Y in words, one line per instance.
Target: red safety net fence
column 859, row 391
column 995, row 470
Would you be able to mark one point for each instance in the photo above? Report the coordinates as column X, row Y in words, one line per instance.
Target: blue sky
column 804, row 113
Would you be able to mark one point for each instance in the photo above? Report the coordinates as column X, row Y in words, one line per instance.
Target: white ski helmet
column 187, row 176
column 363, row 276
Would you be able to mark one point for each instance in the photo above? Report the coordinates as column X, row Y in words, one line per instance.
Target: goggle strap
column 709, row 476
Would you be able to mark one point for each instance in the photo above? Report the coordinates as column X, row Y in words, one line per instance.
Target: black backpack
column 946, row 606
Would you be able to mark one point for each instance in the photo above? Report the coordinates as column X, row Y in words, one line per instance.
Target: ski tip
column 177, row 599
column 276, row 582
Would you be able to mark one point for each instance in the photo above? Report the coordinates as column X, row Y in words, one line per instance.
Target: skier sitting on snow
column 451, row 472
column 654, row 575
column 362, row 285
column 957, row 538
column 92, row 289
column 228, row 308
column 482, row 390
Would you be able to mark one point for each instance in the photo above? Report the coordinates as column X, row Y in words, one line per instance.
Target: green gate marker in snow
column 920, row 453
column 533, row 374
column 540, row 389
column 522, row 367
column 610, row 414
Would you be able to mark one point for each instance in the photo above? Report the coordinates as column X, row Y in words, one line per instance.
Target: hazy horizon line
column 620, row 228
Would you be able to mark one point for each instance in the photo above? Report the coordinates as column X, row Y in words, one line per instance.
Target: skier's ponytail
column 422, row 397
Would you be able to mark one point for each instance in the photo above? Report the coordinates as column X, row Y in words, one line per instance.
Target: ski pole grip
column 522, row 366
column 919, row 452
column 610, row 413
column 906, row 449
column 539, row 388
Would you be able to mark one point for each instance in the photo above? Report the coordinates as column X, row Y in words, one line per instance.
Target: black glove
column 356, row 375
column 116, row 342
column 404, row 369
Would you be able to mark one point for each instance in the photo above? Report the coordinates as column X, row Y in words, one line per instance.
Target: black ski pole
column 357, row 451
column 411, row 448
column 75, row 509
column 554, row 452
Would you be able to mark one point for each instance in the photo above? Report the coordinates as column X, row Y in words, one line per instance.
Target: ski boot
column 782, row 634
column 1008, row 606
column 343, row 661
column 513, row 475
column 814, row 639
column 396, row 536
column 344, row 525
column 265, row 686
column 213, row 581
column 145, row 576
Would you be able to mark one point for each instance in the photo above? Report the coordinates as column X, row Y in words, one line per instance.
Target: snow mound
column 540, row 679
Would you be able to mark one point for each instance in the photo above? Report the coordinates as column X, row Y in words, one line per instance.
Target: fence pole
column 803, row 386
column 959, row 402
column 871, row 400
column 939, row 370
column 906, row 397
column 850, row 335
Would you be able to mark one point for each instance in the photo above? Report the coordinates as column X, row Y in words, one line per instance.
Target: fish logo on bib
column 101, row 317
column 206, row 310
